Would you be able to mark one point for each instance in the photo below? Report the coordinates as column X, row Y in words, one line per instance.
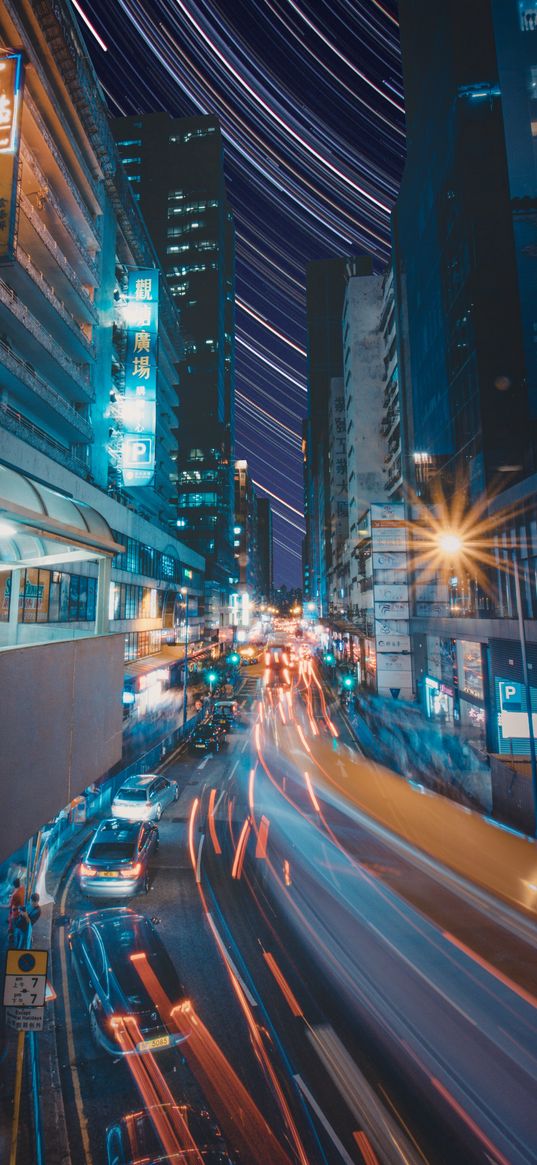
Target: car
column 144, row 797
column 135, row 1137
column 102, row 945
column 230, row 708
column 205, row 739
column 249, row 660
column 221, row 724
column 116, row 862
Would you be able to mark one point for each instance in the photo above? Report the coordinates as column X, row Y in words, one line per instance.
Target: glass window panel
column 43, row 596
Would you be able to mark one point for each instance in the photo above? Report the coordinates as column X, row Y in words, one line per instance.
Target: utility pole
column 185, row 663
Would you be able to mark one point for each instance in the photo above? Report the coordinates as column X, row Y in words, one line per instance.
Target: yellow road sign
column 26, row 962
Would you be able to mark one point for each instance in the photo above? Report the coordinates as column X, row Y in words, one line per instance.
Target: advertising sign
column 390, row 598
column 11, row 80
column 139, row 401
column 513, row 717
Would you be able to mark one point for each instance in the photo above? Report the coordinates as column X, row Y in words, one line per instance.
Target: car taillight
column 87, row 871
column 132, row 871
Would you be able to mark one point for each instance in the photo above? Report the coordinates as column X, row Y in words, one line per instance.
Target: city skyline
column 313, row 161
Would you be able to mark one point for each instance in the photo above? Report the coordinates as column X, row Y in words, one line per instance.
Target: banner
column 139, row 401
column 11, row 79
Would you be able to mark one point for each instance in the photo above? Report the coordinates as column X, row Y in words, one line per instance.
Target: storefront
column 439, row 701
column 471, row 689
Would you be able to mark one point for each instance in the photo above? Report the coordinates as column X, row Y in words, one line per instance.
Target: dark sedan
column 135, row 1137
column 116, row 862
column 110, row 951
column 206, row 739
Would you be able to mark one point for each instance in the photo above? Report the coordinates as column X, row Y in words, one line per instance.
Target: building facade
column 265, row 549
column 92, row 570
column 245, row 530
column 175, row 168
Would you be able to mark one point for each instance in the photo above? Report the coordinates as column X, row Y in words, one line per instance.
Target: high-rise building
column 338, row 574
column 465, row 240
column 245, row 531
column 265, row 549
column 325, row 290
column 465, row 234
column 92, row 571
column 175, row 168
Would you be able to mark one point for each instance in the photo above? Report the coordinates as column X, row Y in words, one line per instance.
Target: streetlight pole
column 185, row 663
column 523, row 649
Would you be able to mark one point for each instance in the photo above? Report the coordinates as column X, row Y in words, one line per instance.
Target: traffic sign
column 25, row 1019
column 25, row 978
column 395, row 692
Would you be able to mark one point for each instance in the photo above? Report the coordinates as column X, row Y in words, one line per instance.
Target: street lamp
column 451, row 544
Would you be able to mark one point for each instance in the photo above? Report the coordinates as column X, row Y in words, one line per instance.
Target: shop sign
column 11, row 80
column 513, row 716
column 138, row 409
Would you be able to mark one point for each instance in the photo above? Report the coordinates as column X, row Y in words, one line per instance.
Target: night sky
column 309, row 96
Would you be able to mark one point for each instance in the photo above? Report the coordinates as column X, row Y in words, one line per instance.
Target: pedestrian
column 15, row 902
column 25, row 922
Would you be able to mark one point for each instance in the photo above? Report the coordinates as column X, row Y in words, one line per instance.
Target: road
column 357, row 1006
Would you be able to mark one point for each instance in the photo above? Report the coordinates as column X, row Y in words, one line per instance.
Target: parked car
column 221, row 725
column 116, row 862
column 135, row 1138
column 205, row 739
column 102, row 944
column 144, row 798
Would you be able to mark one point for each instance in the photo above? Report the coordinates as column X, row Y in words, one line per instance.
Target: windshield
column 109, row 851
column 132, row 794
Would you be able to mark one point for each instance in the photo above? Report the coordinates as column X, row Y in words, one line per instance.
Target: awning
column 163, row 659
column 39, row 527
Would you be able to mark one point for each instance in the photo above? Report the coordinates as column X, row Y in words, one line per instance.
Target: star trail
column 309, row 97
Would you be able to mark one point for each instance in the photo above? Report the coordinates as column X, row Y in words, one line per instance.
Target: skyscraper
column 175, row 167
column 465, row 234
column 325, row 290
column 264, row 541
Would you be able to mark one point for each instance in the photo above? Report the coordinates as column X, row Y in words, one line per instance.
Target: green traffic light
column 329, row 658
column 234, row 658
column 212, row 677
column 348, row 681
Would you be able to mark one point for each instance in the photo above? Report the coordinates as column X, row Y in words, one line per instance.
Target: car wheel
column 158, row 813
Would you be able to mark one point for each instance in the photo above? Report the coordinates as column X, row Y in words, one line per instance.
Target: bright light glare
column 450, row 543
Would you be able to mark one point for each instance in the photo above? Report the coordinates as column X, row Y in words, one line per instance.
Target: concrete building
column 390, row 425
column 92, row 570
column 245, row 530
column 175, row 168
column 325, row 288
column 265, row 549
column 465, row 237
column 338, row 508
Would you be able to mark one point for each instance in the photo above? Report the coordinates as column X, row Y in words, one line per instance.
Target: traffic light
column 212, row 677
column 348, row 682
column 329, row 658
column 234, row 659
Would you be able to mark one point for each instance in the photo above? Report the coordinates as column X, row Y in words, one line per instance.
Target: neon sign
column 139, row 402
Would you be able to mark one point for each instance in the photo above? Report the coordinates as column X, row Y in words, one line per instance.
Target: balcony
column 92, row 225
column 56, row 253
column 29, row 335
column 86, row 346
column 22, row 372
column 54, row 209
column 31, row 434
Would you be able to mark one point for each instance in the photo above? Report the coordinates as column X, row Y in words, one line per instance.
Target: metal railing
column 77, row 372
column 50, row 243
column 16, row 423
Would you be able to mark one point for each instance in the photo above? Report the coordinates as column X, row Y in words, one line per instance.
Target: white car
column 144, row 798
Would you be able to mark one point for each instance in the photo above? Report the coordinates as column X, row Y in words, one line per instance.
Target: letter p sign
column 511, row 696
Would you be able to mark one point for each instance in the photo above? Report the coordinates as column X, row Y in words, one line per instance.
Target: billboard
column 138, row 410
column 11, row 80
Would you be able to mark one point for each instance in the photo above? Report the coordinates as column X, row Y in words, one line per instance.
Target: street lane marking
column 198, row 867
column 227, row 958
column 507, row 982
column 324, row 1120
column 77, row 1091
column 204, row 761
column 234, row 769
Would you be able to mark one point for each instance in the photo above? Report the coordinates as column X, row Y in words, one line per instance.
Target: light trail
column 212, row 827
column 89, row 25
column 283, row 984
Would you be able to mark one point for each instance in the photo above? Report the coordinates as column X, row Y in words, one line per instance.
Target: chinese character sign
column 139, row 402
column 11, row 77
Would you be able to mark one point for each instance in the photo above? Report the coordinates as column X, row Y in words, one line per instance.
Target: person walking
column 25, row 922
column 15, row 903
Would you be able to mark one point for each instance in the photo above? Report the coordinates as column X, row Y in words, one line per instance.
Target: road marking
column 219, row 799
column 234, row 769
column 361, row 1099
column 204, row 761
column 227, row 958
column 324, row 1120
column 69, row 1034
column 198, row 867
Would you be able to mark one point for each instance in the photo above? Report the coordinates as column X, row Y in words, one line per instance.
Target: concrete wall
column 60, row 728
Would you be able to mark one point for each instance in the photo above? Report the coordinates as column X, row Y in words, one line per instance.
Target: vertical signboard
column 139, row 401
column 391, row 598
column 11, row 77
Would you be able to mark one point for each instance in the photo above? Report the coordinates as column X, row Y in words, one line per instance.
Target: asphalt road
column 351, row 1001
